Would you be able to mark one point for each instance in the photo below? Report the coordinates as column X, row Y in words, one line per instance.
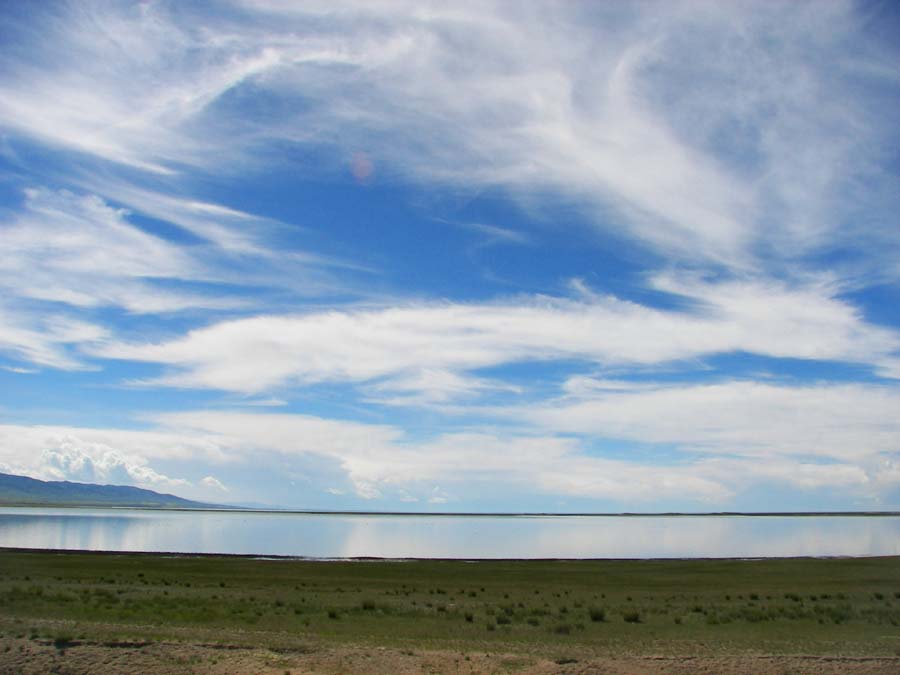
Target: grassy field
column 791, row 606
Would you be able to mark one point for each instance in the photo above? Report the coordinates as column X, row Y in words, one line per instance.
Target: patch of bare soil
column 19, row 655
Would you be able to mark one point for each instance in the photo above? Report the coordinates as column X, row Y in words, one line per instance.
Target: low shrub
column 597, row 614
column 62, row 641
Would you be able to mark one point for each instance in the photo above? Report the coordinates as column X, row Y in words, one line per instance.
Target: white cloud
column 112, row 82
column 236, row 247
column 263, row 403
column 741, row 141
column 45, row 339
column 429, row 386
column 22, row 446
column 20, row 371
column 716, row 131
column 79, row 251
column 836, row 423
column 73, row 459
column 576, row 100
column 716, row 464
column 806, row 475
column 213, row 482
column 420, row 346
column 230, row 230
column 380, row 460
column 494, row 234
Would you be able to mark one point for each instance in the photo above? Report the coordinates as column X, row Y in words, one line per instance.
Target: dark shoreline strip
column 277, row 557
column 470, row 514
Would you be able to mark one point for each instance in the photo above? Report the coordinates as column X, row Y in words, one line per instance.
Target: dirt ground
column 19, row 655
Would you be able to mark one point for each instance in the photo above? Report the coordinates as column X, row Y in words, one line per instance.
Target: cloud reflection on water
column 328, row 536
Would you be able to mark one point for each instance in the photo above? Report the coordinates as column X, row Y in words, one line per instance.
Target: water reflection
column 332, row 536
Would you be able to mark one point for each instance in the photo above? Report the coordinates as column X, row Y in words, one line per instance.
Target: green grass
column 775, row 606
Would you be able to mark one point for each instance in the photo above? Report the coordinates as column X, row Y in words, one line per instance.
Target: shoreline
column 377, row 559
column 224, row 508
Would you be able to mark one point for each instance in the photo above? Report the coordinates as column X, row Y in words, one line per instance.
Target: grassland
column 563, row 611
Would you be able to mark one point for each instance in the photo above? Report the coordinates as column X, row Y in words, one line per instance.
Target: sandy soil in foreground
column 41, row 656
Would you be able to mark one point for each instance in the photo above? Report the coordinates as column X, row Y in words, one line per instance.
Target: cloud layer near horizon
column 716, row 429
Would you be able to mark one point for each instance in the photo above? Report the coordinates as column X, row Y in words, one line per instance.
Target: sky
column 468, row 256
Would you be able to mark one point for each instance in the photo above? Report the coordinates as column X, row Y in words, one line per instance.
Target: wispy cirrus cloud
column 236, row 247
column 65, row 253
column 767, row 156
column 68, row 256
column 494, row 234
column 119, row 82
column 230, row 231
column 45, row 339
column 77, row 250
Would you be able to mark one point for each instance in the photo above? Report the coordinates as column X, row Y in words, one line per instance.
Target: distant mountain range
column 20, row 490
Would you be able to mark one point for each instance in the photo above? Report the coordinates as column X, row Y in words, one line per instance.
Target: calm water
column 338, row 536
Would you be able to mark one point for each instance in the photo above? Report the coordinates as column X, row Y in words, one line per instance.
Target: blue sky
column 471, row 256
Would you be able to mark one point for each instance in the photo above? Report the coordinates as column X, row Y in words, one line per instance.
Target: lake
column 464, row 537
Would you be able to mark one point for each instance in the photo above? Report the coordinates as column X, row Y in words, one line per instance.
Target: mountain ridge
column 24, row 491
